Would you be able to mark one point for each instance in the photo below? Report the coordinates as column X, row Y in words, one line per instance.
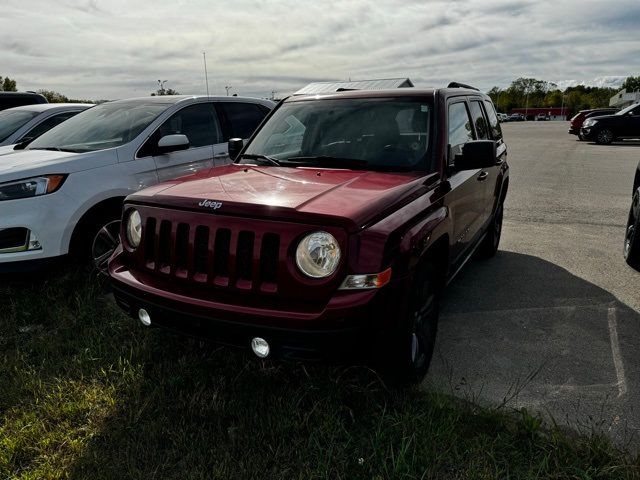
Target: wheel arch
column 105, row 207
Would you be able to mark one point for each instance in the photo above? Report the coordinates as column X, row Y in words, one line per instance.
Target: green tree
column 8, row 85
column 53, row 97
column 632, row 84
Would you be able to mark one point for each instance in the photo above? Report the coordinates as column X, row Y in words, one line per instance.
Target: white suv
column 63, row 193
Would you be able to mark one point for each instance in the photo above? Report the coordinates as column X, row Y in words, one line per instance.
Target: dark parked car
column 632, row 236
column 542, row 117
column 604, row 129
column 332, row 233
column 576, row 121
column 517, row 117
column 17, row 99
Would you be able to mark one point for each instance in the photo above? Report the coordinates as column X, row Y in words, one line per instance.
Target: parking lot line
column 615, row 350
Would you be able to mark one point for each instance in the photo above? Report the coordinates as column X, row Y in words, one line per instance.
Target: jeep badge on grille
column 210, row 204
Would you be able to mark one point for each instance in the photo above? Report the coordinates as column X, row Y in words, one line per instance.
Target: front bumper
column 588, row 133
column 46, row 216
column 344, row 329
column 574, row 130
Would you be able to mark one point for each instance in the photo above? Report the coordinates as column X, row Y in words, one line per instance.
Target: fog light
column 260, row 347
column 144, row 317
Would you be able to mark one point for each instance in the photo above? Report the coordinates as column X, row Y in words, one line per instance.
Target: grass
column 87, row 393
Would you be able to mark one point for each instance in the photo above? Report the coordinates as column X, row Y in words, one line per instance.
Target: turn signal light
column 359, row 282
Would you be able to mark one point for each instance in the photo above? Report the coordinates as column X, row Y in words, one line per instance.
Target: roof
column 44, row 107
column 380, row 84
column 171, row 99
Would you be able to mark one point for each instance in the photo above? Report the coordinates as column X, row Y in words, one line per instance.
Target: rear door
column 631, row 124
column 199, row 123
column 495, row 133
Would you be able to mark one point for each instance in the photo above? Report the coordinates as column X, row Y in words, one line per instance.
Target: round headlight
column 134, row 229
column 318, row 255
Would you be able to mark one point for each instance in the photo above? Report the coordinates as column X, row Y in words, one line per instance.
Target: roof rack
column 461, row 85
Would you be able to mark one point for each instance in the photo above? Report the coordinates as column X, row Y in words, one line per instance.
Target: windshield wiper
column 324, row 161
column 56, row 149
column 257, row 156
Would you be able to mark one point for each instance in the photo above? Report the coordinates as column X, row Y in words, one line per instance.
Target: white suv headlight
column 134, row 228
column 31, row 187
column 318, row 255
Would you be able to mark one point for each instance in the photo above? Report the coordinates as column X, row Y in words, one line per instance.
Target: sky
column 95, row 49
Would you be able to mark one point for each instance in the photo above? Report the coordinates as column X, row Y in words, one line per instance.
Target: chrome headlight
column 134, row 228
column 318, row 255
column 31, row 187
column 589, row 123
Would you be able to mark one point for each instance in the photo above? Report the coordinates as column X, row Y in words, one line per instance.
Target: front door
column 199, row 123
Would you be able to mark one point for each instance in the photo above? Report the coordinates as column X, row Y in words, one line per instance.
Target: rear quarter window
column 494, row 124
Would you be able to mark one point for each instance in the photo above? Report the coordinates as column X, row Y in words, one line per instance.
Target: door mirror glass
column 235, row 145
column 172, row 143
column 477, row 154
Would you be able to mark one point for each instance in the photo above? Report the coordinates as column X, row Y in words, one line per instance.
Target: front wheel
column 409, row 348
column 105, row 242
column 604, row 137
column 632, row 235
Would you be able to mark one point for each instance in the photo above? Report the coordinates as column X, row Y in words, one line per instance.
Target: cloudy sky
column 97, row 49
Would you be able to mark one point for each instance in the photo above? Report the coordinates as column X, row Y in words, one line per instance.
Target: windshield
column 370, row 134
column 628, row 109
column 11, row 121
column 104, row 126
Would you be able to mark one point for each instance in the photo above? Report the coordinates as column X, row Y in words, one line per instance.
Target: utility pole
column 273, row 94
column 206, row 77
column 227, row 88
column 562, row 108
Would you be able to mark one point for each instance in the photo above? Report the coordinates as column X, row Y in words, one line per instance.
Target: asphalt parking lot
column 552, row 323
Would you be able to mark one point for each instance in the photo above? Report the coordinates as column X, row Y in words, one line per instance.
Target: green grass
column 87, row 393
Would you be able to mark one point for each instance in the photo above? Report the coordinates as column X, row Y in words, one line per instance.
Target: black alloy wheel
column 604, row 136
column 631, row 249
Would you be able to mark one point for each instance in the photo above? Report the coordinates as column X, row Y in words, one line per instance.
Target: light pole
column 227, row 88
column 161, row 84
column 526, row 104
column 562, row 108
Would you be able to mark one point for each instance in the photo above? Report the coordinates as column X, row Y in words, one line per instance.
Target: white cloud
column 116, row 49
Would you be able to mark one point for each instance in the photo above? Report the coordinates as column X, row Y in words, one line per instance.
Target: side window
column 460, row 131
column 198, row 122
column 48, row 124
column 482, row 129
column 243, row 118
column 494, row 124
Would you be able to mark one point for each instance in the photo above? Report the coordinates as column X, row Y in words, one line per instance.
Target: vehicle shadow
column 518, row 331
column 620, row 143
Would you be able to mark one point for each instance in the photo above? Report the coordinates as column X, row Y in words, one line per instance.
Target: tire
column 580, row 137
column 96, row 240
column 491, row 241
column 631, row 248
column 409, row 348
column 604, row 136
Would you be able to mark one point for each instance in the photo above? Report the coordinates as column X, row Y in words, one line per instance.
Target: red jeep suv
column 332, row 233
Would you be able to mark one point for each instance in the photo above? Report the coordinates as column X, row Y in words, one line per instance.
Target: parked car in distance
column 63, row 193
column 26, row 123
column 503, row 117
column 632, row 233
column 542, row 117
column 577, row 120
column 17, row 99
column 333, row 232
column 516, row 117
column 604, row 129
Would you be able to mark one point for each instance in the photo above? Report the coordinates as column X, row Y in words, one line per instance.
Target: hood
column 7, row 149
column 22, row 163
column 350, row 198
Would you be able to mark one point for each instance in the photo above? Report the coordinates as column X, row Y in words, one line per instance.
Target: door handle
column 483, row 176
column 220, row 155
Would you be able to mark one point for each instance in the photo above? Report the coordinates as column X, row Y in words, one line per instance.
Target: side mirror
column 235, row 145
column 172, row 143
column 477, row 154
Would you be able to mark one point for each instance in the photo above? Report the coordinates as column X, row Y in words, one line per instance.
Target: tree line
column 531, row 92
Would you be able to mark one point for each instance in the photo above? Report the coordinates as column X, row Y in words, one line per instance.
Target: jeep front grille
column 226, row 257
